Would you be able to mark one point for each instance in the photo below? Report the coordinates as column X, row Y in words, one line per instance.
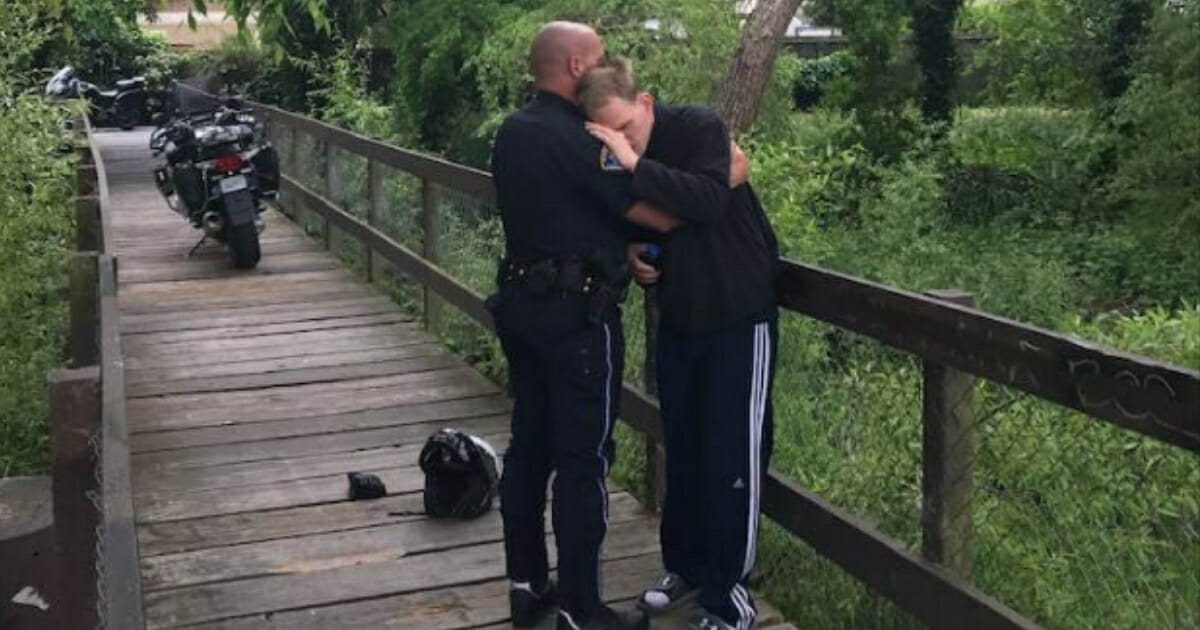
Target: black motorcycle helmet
column 461, row 478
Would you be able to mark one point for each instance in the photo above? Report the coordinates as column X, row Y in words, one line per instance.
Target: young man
column 717, row 340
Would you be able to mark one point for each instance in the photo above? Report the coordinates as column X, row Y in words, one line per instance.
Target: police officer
column 566, row 211
column 716, row 340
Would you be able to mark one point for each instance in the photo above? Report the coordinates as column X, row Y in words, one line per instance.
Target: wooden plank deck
column 252, row 394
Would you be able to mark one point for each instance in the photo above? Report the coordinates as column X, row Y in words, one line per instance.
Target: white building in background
column 800, row 26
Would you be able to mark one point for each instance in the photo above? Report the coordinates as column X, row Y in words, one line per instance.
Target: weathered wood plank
column 269, row 340
column 283, row 364
column 407, row 436
column 207, row 532
column 275, row 351
column 293, row 243
column 136, row 341
column 225, row 600
column 319, row 552
column 250, row 315
column 328, row 489
column 451, row 411
column 451, row 608
column 307, row 295
column 426, row 387
column 149, row 482
column 162, row 269
column 439, row 361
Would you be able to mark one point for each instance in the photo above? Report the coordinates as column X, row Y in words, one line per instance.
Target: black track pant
column 716, row 409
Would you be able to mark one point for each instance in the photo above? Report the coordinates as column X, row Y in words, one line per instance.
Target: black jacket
column 719, row 266
column 555, row 196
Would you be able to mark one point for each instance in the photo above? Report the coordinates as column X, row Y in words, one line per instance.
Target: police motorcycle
column 123, row 106
column 219, row 174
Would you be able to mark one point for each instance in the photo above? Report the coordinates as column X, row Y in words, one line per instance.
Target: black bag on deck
column 461, row 477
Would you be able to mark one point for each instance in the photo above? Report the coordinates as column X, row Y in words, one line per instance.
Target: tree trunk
column 739, row 96
column 933, row 38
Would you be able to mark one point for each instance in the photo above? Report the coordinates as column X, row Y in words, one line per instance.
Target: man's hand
column 617, row 144
column 739, row 166
column 644, row 274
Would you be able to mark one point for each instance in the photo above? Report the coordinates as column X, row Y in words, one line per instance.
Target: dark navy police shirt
column 557, row 197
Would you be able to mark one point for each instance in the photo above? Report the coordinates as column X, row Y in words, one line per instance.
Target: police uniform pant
column 566, row 377
column 715, row 391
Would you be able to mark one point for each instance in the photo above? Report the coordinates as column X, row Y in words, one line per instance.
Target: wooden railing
column 956, row 342
column 93, row 501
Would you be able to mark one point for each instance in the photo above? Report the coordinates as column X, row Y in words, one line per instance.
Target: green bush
column 36, row 221
column 1030, row 165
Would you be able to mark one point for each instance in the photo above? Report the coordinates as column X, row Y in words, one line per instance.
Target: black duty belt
column 569, row 274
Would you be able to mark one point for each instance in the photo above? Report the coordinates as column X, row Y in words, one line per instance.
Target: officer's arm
column 648, row 216
column 700, row 193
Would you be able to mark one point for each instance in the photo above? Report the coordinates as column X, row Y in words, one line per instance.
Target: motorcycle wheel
column 126, row 120
column 242, row 241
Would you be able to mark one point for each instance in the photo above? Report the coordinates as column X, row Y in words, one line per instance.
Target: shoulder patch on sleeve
column 608, row 162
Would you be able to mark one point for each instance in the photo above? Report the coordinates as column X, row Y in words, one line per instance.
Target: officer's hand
column 643, row 273
column 617, row 144
column 739, row 166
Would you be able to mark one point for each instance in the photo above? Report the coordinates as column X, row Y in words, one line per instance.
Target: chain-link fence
column 1068, row 520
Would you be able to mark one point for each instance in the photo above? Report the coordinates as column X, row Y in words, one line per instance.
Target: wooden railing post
column 74, row 424
column 374, row 205
column 656, row 454
column 86, row 184
column 84, row 309
column 87, row 224
column 948, row 459
column 429, row 229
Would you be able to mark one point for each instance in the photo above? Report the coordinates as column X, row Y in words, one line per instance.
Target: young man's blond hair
column 613, row 78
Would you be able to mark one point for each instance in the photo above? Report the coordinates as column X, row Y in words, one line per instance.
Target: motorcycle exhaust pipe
column 212, row 222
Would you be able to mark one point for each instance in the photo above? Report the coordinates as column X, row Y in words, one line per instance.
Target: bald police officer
column 566, row 213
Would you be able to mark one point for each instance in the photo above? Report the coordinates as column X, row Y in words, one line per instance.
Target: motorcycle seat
column 130, row 84
column 108, row 93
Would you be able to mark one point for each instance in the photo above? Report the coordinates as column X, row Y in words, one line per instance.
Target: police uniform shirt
column 557, row 195
column 718, row 266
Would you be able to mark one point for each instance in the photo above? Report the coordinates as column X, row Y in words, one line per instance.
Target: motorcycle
column 219, row 175
column 123, row 106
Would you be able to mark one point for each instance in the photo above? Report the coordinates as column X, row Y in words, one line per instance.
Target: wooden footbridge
column 232, row 404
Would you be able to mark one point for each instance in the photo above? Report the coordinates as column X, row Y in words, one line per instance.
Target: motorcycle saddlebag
column 266, row 168
column 189, row 184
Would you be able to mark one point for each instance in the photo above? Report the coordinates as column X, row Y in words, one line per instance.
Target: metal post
column 429, row 228
column 330, row 186
column 374, row 205
column 656, row 454
column 948, row 459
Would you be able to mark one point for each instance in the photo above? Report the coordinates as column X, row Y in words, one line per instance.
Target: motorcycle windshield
column 60, row 84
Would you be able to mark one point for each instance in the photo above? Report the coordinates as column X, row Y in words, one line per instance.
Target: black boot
column 605, row 619
column 529, row 608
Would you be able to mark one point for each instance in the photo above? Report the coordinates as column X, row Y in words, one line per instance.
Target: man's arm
column 698, row 194
column 648, row 216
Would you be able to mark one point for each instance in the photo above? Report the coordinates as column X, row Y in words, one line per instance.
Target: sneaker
column 669, row 593
column 529, row 608
column 709, row 621
column 605, row 619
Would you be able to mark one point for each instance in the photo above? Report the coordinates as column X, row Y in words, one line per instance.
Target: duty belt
column 569, row 274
